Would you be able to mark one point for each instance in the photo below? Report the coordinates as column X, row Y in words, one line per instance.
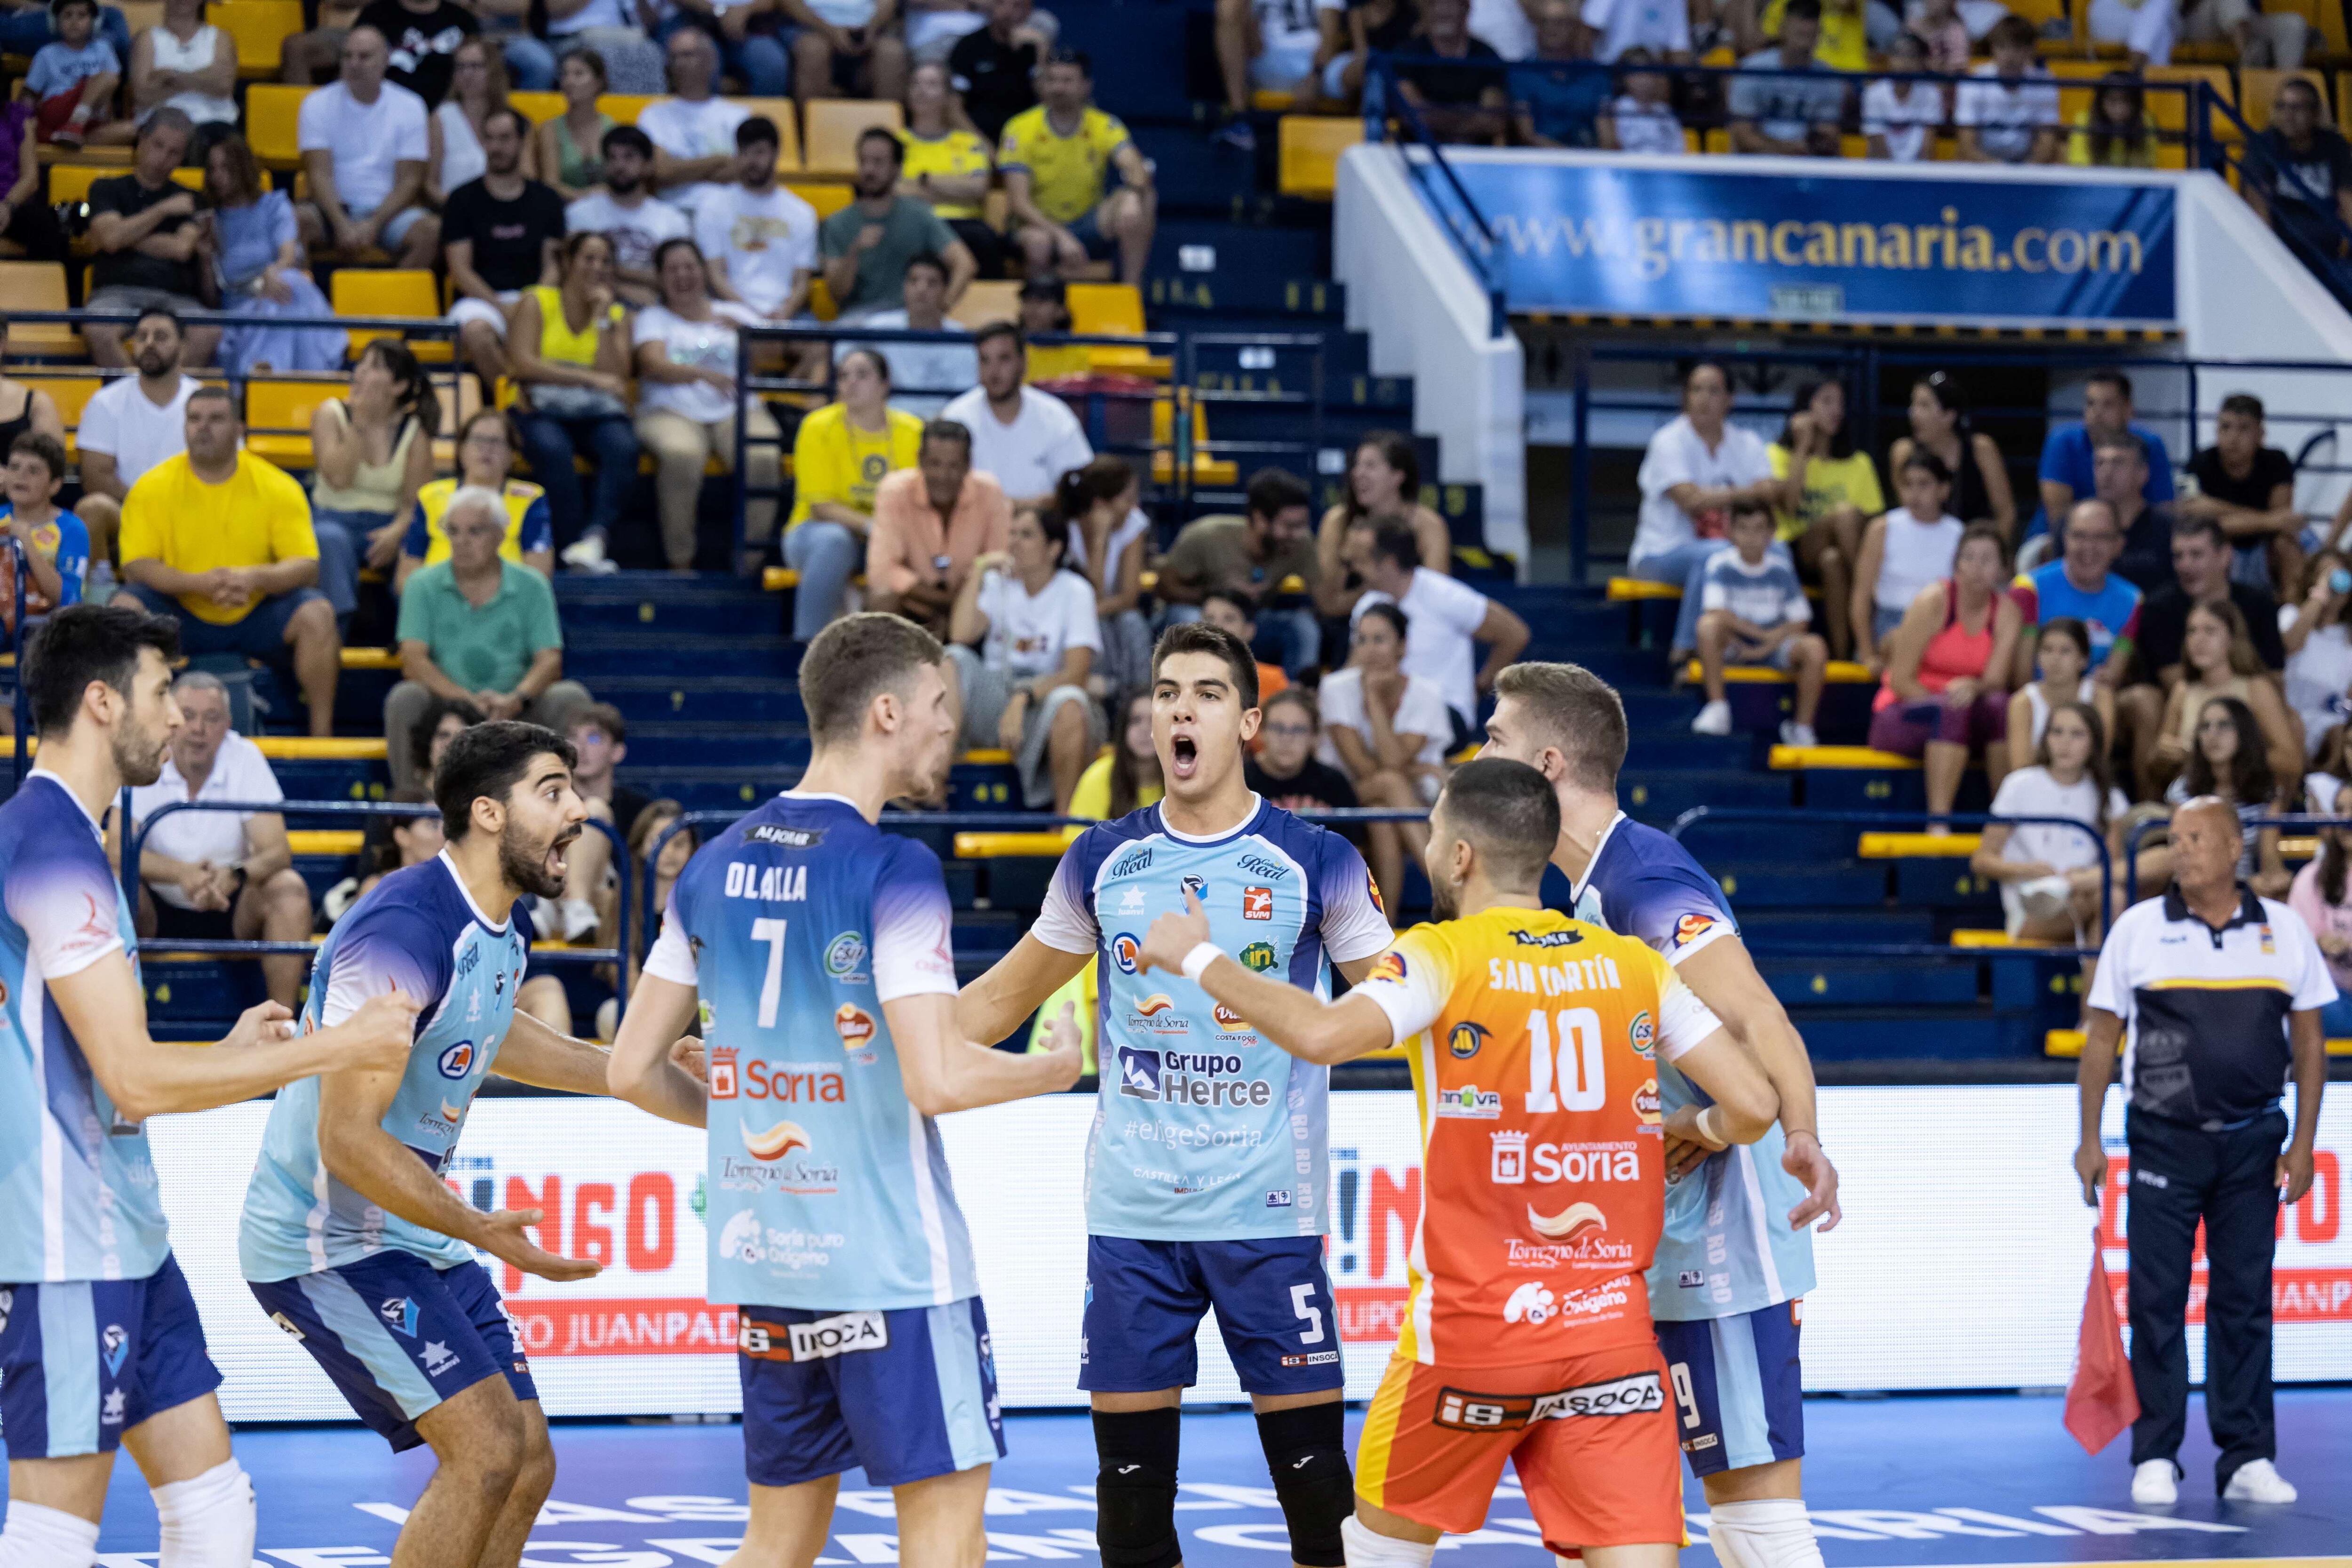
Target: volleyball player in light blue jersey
column 1207, row 1178
column 1736, row 1258
column 100, row 1343
column 351, row 1240
column 819, row 946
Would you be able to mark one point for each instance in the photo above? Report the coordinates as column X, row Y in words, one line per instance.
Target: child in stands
column 1641, row 119
column 53, row 541
column 1753, row 612
column 73, row 80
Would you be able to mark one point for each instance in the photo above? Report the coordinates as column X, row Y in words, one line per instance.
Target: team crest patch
column 1390, row 967
column 1690, row 928
column 1257, row 903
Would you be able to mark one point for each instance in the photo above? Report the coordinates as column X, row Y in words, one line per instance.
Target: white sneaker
column 2153, row 1484
column 587, row 554
column 579, row 918
column 2258, row 1480
column 1795, row 734
column 1714, row 719
column 2045, row 897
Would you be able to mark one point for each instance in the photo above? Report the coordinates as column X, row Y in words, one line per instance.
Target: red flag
column 2100, row 1399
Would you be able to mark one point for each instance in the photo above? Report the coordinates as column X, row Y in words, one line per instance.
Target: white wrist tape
column 1706, row 1128
column 1198, row 960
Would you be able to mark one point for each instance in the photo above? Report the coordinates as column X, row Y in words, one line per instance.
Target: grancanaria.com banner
column 1737, row 240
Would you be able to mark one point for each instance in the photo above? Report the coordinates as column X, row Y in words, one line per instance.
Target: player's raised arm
column 643, row 1068
column 1703, row 1051
column 943, row 1071
column 1298, row 1020
column 1016, row 985
column 1722, row 974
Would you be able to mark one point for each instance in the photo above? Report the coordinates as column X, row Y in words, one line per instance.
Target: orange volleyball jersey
column 1534, row 1039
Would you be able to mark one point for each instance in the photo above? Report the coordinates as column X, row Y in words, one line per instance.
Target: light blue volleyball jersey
column 1203, row 1131
column 417, row 930
column 1727, row 1247
column 78, row 1198
column 828, row 1190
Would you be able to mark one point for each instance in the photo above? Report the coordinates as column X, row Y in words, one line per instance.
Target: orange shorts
column 1592, row 1438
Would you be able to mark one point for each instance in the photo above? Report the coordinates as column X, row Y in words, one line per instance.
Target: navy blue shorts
column 260, row 635
column 83, row 1361
column 904, row 1395
column 1087, row 231
column 1145, row 1299
column 398, row 1335
column 1739, row 1392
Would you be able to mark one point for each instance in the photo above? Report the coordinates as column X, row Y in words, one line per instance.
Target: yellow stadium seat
column 827, row 198
column 394, row 291
column 278, row 410
column 1785, row 759
column 260, row 29
column 271, row 111
column 539, row 108
column 1633, row 590
column 834, row 125
column 1272, row 101
column 1309, row 148
column 71, row 394
column 1206, row 470
column 779, row 112
column 1918, row 846
column 38, row 286
column 989, row 299
column 625, row 107
column 2259, row 90
column 1115, row 308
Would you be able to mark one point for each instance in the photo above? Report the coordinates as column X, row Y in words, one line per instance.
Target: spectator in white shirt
column 1276, row 45
column 759, row 238
column 932, row 373
column 1449, row 615
column 1028, row 440
column 1662, row 26
column 2049, row 874
column 627, row 212
column 688, row 403
column 129, row 425
column 1697, row 466
column 1899, row 117
column 2006, row 112
column 693, row 133
column 219, row 876
column 1023, row 639
column 1641, row 118
column 365, row 144
column 1388, row 729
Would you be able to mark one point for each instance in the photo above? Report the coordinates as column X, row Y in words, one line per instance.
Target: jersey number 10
column 1579, row 1059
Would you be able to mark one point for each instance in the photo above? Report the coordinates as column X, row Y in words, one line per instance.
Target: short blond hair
column 1578, row 713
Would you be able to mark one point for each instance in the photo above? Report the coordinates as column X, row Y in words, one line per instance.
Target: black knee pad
column 1134, row 1488
column 1306, row 1451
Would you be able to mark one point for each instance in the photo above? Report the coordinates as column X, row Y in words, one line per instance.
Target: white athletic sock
column 1370, row 1549
column 40, row 1537
column 208, row 1520
column 1768, row 1533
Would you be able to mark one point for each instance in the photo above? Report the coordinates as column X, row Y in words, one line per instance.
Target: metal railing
column 1386, row 110
column 1913, row 822
column 2253, row 826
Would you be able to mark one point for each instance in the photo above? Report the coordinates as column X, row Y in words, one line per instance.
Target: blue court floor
column 1893, row 1483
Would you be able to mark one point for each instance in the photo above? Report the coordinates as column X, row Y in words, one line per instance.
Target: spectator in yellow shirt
column 948, row 166
column 1057, row 159
column 221, row 541
column 486, row 449
column 1844, row 41
column 2116, row 132
column 839, row 458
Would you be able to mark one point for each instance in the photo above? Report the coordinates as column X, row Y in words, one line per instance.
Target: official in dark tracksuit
column 2219, row 992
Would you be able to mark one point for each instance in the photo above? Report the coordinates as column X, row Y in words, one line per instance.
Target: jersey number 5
column 772, row 987
column 1581, row 1084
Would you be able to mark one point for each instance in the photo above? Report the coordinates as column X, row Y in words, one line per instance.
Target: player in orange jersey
column 1534, row 1040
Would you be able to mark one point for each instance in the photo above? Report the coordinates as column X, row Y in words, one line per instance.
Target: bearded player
column 1737, row 1257
column 1535, row 1041
column 1207, row 1181
column 351, row 1240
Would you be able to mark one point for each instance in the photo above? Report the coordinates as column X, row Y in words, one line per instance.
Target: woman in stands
column 571, row 146
column 1384, row 476
column 1109, row 536
column 478, row 89
column 2062, row 653
column 2115, row 132
column 190, row 65
column 1903, row 551
column 1696, row 466
column 2218, row 660
column 25, row 407
column 2229, row 761
column 687, row 404
column 1828, row 490
column 486, row 454
column 1939, row 424
column 372, row 451
column 1024, row 640
column 839, row 457
column 1285, row 769
column 256, row 247
column 1387, row 729
column 948, row 165
column 568, row 351
column 2049, row 875
column 1943, row 696
column 2320, row 897
column 2319, row 650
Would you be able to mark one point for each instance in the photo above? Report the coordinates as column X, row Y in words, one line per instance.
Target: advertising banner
column 1960, row 1263
column 1630, row 240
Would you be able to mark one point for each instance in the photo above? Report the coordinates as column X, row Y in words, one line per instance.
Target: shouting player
column 1737, row 1257
column 1206, row 1183
column 100, row 1343
column 819, row 946
column 351, row 1240
column 1535, row 1044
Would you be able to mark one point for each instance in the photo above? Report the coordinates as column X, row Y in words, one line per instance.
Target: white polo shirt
column 240, row 773
column 2205, row 1011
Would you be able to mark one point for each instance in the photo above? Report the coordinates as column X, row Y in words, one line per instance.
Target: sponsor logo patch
column 1151, row 1006
column 844, row 953
column 853, row 1024
column 1465, row 1038
column 1470, row 1101
column 1462, row 1411
column 1278, row 1199
column 777, row 1141
column 820, row 1341
column 721, row 1068
column 1390, row 966
column 1374, row 888
column 1645, row 1102
column 1127, row 952
column 289, row 1325
column 1690, row 928
column 1258, row 957
column 1257, row 903
column 1313, row 1358
column 458, row 1061
column 1195, row 885
column 400, row 1314
column 1139, row 1073
column 1644, row 1034
column 115, row 1346
column 1547, row 938
column 784, row 837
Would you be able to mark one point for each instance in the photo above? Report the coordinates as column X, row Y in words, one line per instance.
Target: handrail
column 2260, row 824
column 133, row 839
column 1484, row 257
column 20, row 701
column 1709, row 814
